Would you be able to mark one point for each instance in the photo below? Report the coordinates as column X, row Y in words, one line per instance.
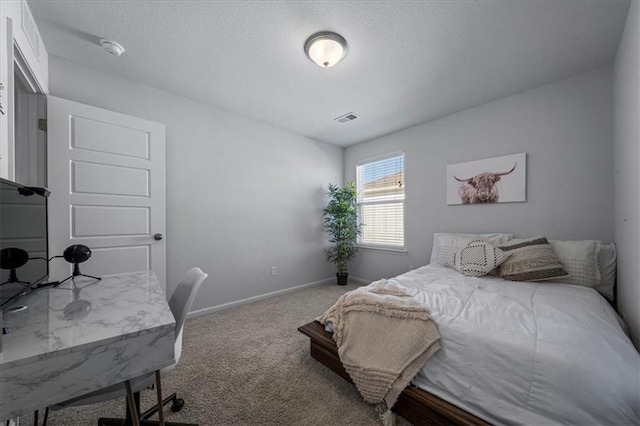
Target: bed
column 513, row 353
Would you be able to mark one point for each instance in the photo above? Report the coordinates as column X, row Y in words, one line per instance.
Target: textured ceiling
column 408, row 61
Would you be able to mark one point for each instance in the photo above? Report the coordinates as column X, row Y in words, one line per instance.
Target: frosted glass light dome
column 326, row 49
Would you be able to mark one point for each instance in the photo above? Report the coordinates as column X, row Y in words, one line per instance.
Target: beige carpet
column 249, row 365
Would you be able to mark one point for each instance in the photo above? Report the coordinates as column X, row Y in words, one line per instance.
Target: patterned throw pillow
column 478, row 258
column 531, row 259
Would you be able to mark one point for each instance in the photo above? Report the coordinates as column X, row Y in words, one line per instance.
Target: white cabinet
column 23, row 57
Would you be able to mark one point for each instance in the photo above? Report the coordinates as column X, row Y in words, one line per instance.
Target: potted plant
column 341, row 222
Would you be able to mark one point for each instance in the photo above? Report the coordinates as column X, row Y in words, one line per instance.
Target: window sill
column 399, row 251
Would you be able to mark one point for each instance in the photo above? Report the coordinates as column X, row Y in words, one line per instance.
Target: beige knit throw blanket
column 384, row 338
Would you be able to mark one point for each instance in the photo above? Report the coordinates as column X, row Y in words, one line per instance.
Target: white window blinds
column 381, row 189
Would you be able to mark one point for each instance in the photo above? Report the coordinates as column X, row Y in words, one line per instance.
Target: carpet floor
column 249, row 365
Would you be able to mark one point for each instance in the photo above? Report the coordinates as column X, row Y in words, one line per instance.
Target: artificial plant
column 341, row 223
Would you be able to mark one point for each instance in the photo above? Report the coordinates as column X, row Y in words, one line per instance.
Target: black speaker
column 13, row 258
column 76, row 254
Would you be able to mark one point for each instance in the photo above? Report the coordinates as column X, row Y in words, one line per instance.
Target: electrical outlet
column 274, row 271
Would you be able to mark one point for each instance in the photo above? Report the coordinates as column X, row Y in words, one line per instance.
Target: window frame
column 393, row 248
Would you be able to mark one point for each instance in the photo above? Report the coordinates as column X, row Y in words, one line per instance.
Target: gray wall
column 626, row 178
column 242, row 196
column 566, row 130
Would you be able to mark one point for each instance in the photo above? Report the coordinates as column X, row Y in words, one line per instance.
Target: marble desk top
column 74, row 339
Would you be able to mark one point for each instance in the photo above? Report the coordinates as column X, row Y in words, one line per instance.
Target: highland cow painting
column 494, row 180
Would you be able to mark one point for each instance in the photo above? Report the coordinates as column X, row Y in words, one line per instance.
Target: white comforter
column 526, row 353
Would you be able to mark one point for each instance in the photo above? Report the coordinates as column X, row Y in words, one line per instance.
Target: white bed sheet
column 526, row 353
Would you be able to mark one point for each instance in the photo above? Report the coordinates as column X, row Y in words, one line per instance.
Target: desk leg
column 132, row 404
column 159, row 392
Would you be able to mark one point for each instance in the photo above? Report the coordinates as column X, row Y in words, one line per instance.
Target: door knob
column 158, row 237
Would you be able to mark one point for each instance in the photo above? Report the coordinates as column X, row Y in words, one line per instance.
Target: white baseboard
column 259, row 297
column 360, row 280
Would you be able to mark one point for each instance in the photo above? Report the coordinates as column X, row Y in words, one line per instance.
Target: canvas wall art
column 493, row 180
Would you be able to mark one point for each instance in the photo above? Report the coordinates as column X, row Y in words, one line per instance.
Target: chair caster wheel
column 177, row 405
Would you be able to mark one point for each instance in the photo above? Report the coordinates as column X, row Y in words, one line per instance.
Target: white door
column 106, row 174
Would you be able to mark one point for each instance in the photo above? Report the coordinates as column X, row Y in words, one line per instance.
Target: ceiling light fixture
column 112, row 47
column 326, row 48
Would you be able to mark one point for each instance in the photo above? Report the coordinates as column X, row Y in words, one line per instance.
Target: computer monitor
column 23, row 240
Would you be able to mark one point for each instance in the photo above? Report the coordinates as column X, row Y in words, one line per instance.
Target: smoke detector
column 112, row 47
column 350, row 116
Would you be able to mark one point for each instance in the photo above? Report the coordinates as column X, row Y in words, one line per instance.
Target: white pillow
column 607, row 264
column 452, row 245
column 478, row 258
column 580, row 260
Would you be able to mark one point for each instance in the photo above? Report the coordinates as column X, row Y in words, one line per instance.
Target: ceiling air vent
column 350, row 116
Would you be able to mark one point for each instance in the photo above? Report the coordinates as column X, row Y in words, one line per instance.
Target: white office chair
column 180, row 304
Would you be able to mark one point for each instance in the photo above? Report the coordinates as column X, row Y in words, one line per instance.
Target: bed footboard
column 416, row 405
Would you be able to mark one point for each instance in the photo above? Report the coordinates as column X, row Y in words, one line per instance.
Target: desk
column 117, row 329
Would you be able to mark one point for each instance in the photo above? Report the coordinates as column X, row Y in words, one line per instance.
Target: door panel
column 95, row 178
column 128, row 259
column 96, row 221
column 106, row 137
column 107, row 182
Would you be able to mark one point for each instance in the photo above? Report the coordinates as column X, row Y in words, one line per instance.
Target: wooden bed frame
column 416, row 405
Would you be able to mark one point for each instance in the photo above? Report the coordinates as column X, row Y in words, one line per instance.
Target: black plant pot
column 343, row 279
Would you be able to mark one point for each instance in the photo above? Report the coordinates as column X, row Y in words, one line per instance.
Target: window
column 381, row 189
